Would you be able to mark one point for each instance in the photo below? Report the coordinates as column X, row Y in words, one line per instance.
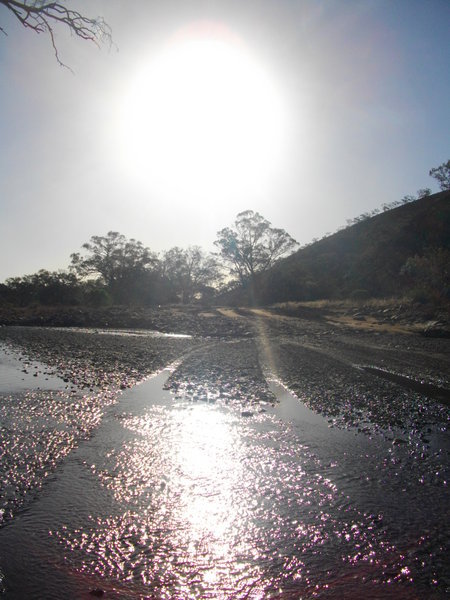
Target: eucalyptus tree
column 120, row 263
column 252, row 245
column 442, row 175
column 189, row 271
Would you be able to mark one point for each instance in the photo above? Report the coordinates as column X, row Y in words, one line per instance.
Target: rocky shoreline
column 396, row 316
column 188, row 320
column 95, row 360
column 335, row 366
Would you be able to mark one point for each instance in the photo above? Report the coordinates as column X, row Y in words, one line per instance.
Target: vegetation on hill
column 400, row 250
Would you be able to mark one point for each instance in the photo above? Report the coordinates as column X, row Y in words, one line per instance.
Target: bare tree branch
column 41, row 16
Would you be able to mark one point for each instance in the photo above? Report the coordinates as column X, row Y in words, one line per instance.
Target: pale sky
column 309, row 112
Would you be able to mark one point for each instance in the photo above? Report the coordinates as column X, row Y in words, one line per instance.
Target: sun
column 202, row 118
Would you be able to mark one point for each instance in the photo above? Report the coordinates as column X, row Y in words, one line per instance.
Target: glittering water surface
column 42, row 417
column 172, row 498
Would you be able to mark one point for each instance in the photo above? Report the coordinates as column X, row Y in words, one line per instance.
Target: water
column 19, row 374
column 148, row 496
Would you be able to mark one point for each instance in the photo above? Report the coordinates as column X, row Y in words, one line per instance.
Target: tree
column 189, row 272
column 252, row 245
column 430, row 273
column 41, row 16
column 442, row 174
column 44, row 287
column 119, row 262
column 423, row 193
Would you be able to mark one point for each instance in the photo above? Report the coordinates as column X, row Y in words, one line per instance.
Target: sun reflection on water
column 209, row 476
column 184, row 472
column 206, row 504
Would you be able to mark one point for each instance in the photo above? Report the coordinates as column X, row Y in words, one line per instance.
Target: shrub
column 360, row 295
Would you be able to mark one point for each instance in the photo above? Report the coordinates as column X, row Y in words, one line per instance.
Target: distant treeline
column 117, row 270
column 403, row 248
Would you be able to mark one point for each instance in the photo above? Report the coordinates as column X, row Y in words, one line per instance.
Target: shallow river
column 146, row 495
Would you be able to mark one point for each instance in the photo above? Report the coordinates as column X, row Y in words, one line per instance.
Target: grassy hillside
column 363, row 260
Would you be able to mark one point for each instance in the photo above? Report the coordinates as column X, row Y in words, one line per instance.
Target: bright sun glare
column 201, row 118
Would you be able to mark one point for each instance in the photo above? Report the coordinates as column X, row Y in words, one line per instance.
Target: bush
column 360, row 295
column 98, row 298
column 429, row 275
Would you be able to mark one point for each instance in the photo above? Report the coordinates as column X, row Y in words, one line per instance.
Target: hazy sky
column 310, row 112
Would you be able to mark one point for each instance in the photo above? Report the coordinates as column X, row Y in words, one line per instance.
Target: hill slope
column 365, row 258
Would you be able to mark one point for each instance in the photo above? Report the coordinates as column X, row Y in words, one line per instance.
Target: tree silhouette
column 43, row 287
column 189, row 272
column 118, row 261
column 42, row 16
column 442, row 174
column 252, row 245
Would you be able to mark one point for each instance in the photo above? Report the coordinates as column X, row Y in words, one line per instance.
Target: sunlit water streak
column 181, row 499
column 123, row 332
column 42, row 418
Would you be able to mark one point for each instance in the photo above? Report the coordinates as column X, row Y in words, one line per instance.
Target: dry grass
column 347, row 304
column 230, row 313
column 392, row 315
column 387, row 315
column 371, row 324
column 261, row 312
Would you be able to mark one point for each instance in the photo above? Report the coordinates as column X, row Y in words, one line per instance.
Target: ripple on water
column 207, row 504
column 182, row 499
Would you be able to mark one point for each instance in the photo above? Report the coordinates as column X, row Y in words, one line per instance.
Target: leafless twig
column 41, row 16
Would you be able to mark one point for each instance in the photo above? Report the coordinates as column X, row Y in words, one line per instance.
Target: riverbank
column 390, row 315
column 396, row 316
column 359, row 374
column 188, row 320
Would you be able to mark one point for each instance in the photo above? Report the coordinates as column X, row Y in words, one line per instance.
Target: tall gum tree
column 118, row 261
column 190, row 272
column 252, row 246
